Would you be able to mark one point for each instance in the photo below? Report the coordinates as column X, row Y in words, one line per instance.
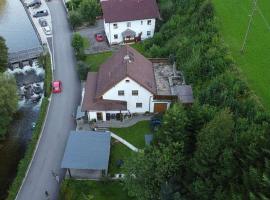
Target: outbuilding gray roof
column 87, row 150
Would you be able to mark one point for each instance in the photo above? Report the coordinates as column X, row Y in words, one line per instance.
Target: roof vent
column 127, row 58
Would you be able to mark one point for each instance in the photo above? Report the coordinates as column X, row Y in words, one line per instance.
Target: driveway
column 59, row 122
column 89, row 33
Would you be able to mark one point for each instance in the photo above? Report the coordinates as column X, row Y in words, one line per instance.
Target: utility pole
column 249, row 25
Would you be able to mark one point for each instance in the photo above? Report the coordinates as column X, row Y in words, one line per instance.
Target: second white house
column 129, row 20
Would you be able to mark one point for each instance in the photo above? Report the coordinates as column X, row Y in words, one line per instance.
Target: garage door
column 160, row 107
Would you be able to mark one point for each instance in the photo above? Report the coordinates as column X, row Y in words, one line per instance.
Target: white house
column 129, row 20
column 127, row 83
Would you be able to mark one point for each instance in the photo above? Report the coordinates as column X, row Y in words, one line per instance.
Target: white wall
column 144, row 96
column 136, row 26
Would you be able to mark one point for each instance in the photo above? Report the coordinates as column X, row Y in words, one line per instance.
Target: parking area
column 96, row 46
column 42, row 22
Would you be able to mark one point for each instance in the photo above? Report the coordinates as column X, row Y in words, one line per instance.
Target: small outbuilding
column 87, row 154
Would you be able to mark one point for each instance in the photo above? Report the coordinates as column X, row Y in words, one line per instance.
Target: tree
column 173, row 125
column 8, row 101
column 78, row 44
column 75, row 19
column 89, row 10
column 83, row 69
column 213, row 159
column 3, row 55
column 146, row 173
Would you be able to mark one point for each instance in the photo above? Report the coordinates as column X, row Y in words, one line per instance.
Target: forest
column 218, row 148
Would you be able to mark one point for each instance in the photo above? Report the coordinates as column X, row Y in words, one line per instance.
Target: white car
column 47, row 30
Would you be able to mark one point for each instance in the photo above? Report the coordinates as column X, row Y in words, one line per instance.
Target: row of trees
column 219, row 147
column 8, row 91
column 83, row 11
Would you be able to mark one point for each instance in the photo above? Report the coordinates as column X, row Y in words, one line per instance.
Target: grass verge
column 24, row 163
column 45, row 61
column 95, row 190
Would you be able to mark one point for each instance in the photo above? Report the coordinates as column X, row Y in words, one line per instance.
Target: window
column 121, row 92
column 149, row 22
column 115, row 26
column 135, row 92
column 115, row 36
column 148, row 33
column 142, row 22
column 127, row 81
column 138, row 105
column 128, row 24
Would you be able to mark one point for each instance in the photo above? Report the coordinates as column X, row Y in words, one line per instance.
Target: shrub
column 82, row 69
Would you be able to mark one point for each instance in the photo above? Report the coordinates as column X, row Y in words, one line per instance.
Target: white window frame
column 128, row 24
column 148, row 33
column 115, row 36
column 149, row 22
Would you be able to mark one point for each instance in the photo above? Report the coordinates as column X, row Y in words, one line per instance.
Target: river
column 19, row 34
column 15, row 26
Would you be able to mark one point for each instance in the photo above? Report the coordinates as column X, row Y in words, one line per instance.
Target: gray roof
column 79, row 113
column 184, row 93
column 87, row 150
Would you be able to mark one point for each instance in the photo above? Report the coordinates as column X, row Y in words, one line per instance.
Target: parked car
column 43, row 22
column 41, row 13
column 56, row 86
column 99, row 37
column 35, row 3
column 47, row 30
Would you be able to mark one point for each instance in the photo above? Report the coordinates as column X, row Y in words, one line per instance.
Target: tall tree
column 8, row 101
column 89, row 10
column 3, row 55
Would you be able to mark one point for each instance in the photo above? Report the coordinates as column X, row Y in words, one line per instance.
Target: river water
column 16, row 28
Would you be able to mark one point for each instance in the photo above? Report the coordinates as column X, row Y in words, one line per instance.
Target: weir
column 25, row 55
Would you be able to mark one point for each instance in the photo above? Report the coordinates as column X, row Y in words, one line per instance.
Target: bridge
column 24, row 55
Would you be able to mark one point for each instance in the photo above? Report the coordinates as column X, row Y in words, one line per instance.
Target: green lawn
column 86, row 42
column 233, row 17
column 94, row 190
column 134, row 134
column 95, row 60
column 118, row 152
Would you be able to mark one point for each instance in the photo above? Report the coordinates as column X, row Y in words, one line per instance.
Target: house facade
column 129, row 20
column 125, row 84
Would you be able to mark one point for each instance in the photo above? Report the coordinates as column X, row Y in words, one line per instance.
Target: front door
column 160, row 107
column 99, row 116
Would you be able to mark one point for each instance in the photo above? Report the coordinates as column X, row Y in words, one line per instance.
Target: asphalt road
column 59, row 121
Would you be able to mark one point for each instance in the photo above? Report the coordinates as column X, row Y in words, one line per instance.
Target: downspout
column 150, row 103
column 110, row 33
